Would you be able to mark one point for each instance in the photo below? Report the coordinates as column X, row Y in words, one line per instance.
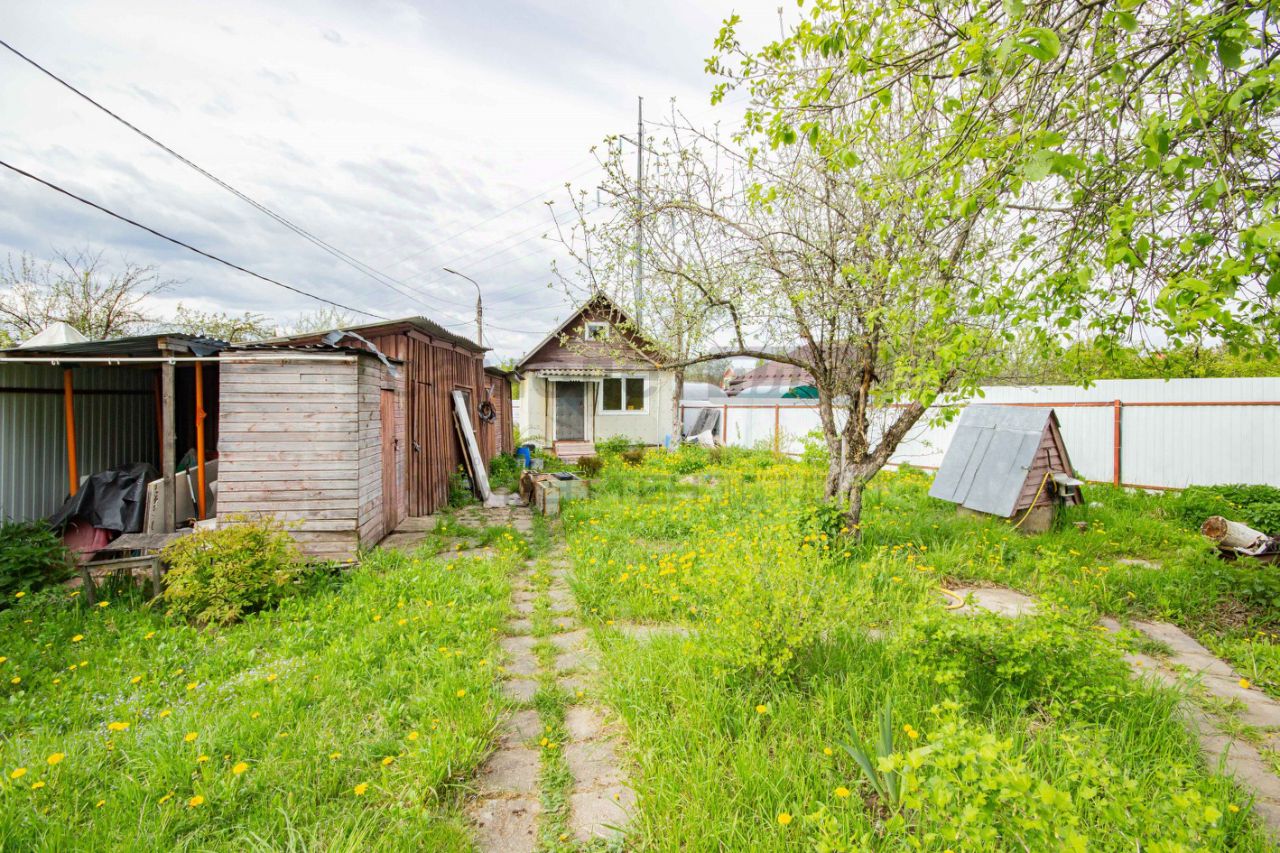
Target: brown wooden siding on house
column 432, row 369
column 301, row 441
column 620, row 352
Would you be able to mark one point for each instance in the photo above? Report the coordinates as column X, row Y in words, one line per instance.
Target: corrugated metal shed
column 993, row 452
column 115, row 415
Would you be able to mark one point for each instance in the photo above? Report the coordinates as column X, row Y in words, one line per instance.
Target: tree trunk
column 677, row 417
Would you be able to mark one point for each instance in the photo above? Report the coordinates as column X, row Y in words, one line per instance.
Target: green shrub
column 615, row 446
column 634, row 457
column 31, row 556
column 504, row 471
column 218, row 576
column 459, row 493
column 590, row 466
column 689, row 459
column 1256, row 506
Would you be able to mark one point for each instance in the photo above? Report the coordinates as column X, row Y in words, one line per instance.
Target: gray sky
column 412, row 135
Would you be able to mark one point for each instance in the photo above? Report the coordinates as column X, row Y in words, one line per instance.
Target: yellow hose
column 1039, row 492
column 959, row 602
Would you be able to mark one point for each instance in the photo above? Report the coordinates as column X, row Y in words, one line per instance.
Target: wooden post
column 169, row 439
column 200, row 416
column 724, row 426
column 68, row 402
column 777, row 428
column 1116, row 443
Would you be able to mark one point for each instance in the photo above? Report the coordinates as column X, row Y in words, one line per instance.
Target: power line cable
column 186, row 246
column 349, row 260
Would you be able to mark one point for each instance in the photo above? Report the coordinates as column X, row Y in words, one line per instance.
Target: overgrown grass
column 347, row 718
column 1020, row 734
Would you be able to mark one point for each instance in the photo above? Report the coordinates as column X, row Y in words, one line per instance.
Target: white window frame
column 593, row 325
column 623, row 377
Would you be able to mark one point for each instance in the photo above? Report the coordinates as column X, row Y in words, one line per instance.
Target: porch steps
column 572, row 451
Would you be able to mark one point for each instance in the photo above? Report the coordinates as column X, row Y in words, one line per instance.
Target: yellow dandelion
column 77, row 638
column 762, row 709
column 15, row 680
column 193, row 685
column 166, row 712
column 201, row 759
column 387, row 761
column 784, row 818
column 1245, row 683
column 195, row 801
column 461, row 693
column 826, row 750
column 272, row 677
column 135, row 679
column 19, row 595
column 104, row 603
column 56, row 758
column 35, row 786
column 117, row 726
column 18, row 773
column 334, row 756
column 842, row 792
column 413, row 735
column 149, row 635
column 166, row 798
column 255, row 715
column 3, row 658
column 189, row 737
column 99, row 804
column 361, row 788
column 239, row 767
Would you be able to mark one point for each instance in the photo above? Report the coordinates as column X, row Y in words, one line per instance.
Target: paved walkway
column 1191, row 667
column 525, row 800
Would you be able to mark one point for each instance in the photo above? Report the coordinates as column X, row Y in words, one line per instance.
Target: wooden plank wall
column 289, row 446
column 371, row 518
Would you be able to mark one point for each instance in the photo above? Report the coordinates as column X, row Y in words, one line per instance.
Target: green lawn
column 351, row 717
column 1023, row 734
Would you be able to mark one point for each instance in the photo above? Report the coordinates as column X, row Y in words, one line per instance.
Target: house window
column 623, row 394
column 596, row 331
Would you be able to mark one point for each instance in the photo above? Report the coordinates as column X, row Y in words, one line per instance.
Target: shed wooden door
column 390, row 490
column 571, row 417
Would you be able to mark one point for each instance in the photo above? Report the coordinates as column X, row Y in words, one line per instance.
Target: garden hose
column 958, row 602
column 1039, row 492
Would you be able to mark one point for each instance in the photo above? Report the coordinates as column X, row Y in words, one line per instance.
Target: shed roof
column 139, row 346
column 990, row 457
column 421, row 324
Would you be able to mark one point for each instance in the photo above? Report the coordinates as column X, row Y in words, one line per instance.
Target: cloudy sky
column 411, row 134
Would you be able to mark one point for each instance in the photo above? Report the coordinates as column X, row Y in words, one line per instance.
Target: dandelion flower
column 784, row 818
column 135, row 679
column 461, row 693
column 149, row 635
column 3, row 658
column 99, row 804
column 272, row 677
column 56, row 758
column 826, row 750
column 35, row 786
column 104, row 603
column 361, row 788
column 195, row 801
column 15, row 680
column 201, row 759
column 77, row 638
column 239, row 767
column 18, row 773
column 334, row 756
column 413, row 735
column 19, row 595
column 1245, row 683
column 166, row 798
column 762, row 709
column 166, row 712
column 842, row 792
column 117, row 726
column 387, row 761
column 193, row 685
column 190, row 736
column 1233, row 808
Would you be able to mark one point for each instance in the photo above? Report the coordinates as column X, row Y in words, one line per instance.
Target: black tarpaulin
column 114, row 499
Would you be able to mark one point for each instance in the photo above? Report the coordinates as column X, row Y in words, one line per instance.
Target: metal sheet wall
column 115, row 424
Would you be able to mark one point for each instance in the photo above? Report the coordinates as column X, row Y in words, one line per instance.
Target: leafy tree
column 222, row 325
column 915, row 188
column 324, row 320
column 77, row 289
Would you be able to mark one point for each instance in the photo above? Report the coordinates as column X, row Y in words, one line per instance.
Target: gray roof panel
column 990, row 456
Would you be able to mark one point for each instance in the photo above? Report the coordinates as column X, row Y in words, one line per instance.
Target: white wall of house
column 651, row 426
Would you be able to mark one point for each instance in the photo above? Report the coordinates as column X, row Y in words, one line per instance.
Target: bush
column 1256, row 506
column 31, row 556
column 615, row 446
column 590, row 466
column 459, row 492
column 504, row 471
column 633, row 457
column 689, row 459
column 219, row 576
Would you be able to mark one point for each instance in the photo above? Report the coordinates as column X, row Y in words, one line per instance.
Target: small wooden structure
column 435, row 362
column 1008, row 461
column 316, row 439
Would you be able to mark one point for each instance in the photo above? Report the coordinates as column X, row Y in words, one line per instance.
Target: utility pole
column 479, row 305
column 639, row 285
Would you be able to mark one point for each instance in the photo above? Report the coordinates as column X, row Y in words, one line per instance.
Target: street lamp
column 479, row 306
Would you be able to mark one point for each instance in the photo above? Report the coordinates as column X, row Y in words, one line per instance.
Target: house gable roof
column 420, row 324
column 551, row 350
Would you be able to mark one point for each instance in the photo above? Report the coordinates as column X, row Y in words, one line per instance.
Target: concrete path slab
column 520, row 689
column 600, row 814
column 512, row 770
column 506, row 825
column 1005, row 602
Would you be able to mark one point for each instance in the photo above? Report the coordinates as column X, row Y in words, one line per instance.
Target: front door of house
column 571, row 413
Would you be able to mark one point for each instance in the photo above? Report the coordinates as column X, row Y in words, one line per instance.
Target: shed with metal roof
column 1007, row 461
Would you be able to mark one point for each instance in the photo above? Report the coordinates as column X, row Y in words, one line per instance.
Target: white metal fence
column 1140, row 432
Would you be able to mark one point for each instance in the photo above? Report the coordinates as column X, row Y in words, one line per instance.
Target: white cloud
column 385, row 128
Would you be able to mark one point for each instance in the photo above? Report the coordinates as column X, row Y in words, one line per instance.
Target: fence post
column 1116, row 407
column 724, row 426
column 777, row 429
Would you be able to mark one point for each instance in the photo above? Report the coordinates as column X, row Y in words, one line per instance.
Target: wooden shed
column 1008, row 461
column 436, row 362
column 316, row 438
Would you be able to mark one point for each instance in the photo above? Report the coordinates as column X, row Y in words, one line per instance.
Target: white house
column 594, row 378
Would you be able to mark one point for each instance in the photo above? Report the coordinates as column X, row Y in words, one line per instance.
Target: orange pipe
column 200, row 416
column 1115, row 442
column 68, row 402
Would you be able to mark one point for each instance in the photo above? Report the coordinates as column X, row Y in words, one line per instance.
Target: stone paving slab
column 600, row 814
column 513, row 770
column 579, row 660
column 520, row 689
column 1005, row 602
column 517, row 645
column 570, row 642
column 646, row 632
column 506, row 825
column 594, row 764
column 521, row 727
column 520, row 626
column 522, row 666
column 583, row 723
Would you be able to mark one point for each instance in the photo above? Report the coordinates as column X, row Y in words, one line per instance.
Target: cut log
column 1233, row 534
